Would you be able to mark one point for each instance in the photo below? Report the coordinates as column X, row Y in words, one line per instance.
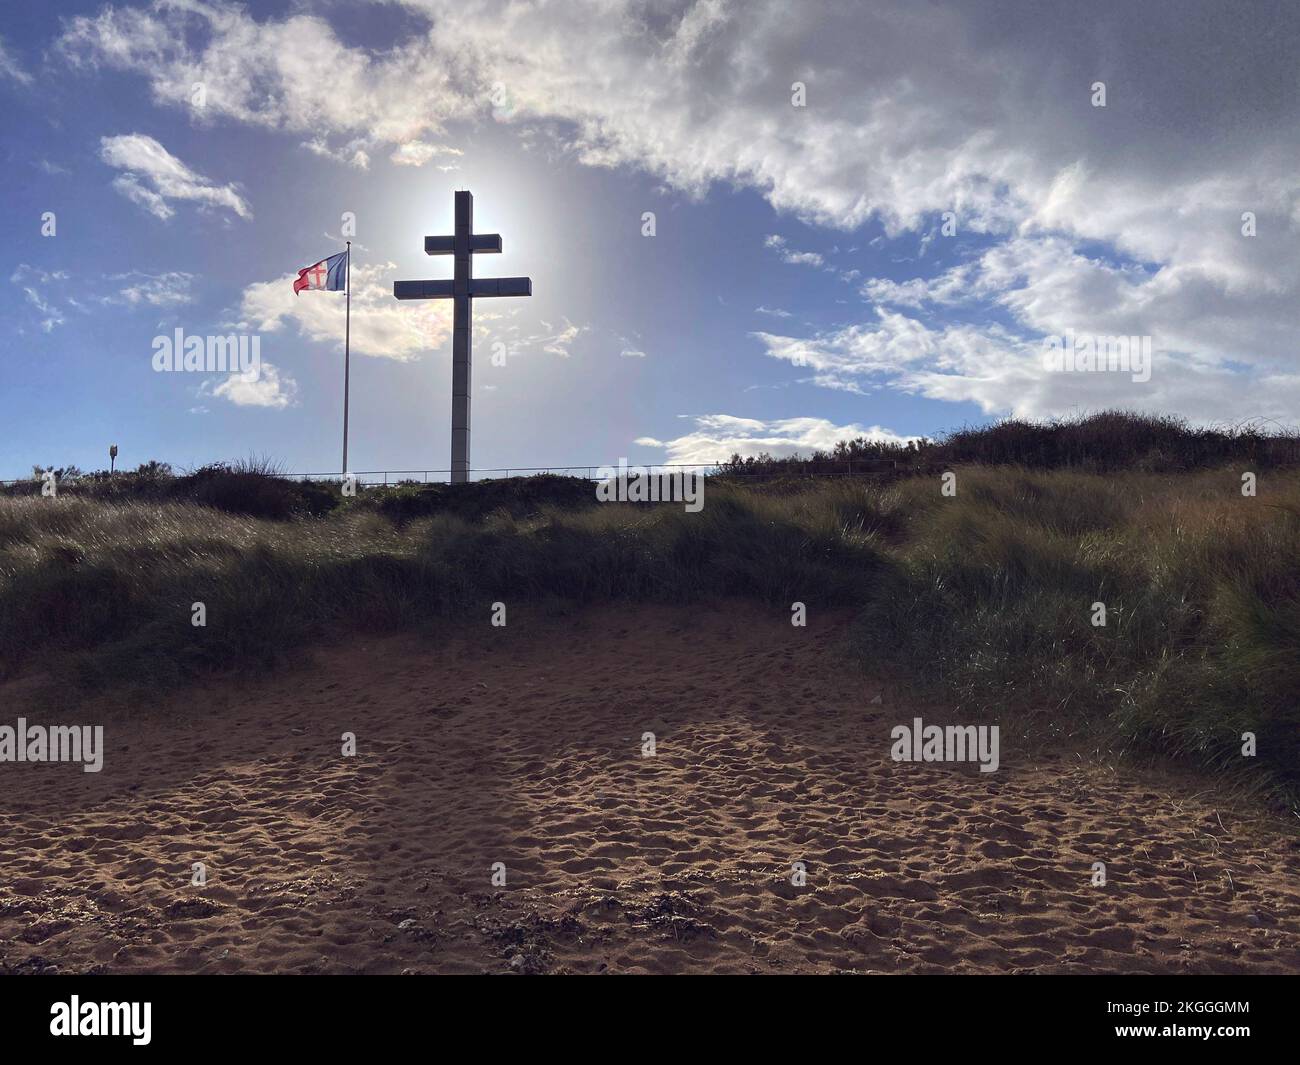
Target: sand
column 523, row 746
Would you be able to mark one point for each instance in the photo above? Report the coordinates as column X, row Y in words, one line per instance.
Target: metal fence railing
column 809, row 468
column 590, row 473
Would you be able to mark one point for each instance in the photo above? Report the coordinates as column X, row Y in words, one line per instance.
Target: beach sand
column 523, row 746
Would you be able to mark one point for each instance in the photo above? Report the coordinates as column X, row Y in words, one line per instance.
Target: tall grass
column 987, row 597
column 992, row 597
column 1110, row 440
column 120, row 579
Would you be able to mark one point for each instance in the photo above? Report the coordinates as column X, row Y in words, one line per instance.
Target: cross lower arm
column 422, row 290
column 489, row 242
column 478, row 286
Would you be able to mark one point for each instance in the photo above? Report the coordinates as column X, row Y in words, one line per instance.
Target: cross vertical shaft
column 461, row 290
column 461, row 339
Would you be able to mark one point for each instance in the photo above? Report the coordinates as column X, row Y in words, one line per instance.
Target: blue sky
column 799, row 287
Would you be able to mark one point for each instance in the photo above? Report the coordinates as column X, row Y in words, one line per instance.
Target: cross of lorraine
column 461, row 289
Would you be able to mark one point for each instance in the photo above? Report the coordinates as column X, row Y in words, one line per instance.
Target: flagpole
column 347, row 355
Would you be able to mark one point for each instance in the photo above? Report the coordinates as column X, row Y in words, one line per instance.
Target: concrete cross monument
column 461, row 289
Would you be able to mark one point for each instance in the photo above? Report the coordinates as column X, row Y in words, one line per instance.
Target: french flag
column 327, row 274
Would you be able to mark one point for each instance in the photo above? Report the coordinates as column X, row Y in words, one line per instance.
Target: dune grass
column 1112, row 440
column 986, row 598
column 993, row 595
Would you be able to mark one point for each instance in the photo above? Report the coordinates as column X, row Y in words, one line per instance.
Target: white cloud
column 48, row 291
column 551, row 340
column 270, row 388
column 154, row 176
column 11, row 68
column 1106, row 220
column 501, row 326
column 700, row 94
column 23, row 271
column 51, row 316
column 28, row 278
column 417, row 153
column 381, row 326
column 717, row 437
column 291, row 74
column 789, row 255
column 156, row 290
column 1218, row 355
column 129, row 186
column 894, row 340
column 559, row 342
column 1003, row 372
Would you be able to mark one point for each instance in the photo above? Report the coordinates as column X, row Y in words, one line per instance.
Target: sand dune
column 524, row 746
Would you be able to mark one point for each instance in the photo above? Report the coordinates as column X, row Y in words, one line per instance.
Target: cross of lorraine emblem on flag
column 328, row 274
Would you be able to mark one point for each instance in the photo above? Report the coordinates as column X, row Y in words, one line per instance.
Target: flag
column 327, row 274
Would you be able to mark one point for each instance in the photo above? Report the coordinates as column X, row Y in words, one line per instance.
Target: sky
column 750, row 226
